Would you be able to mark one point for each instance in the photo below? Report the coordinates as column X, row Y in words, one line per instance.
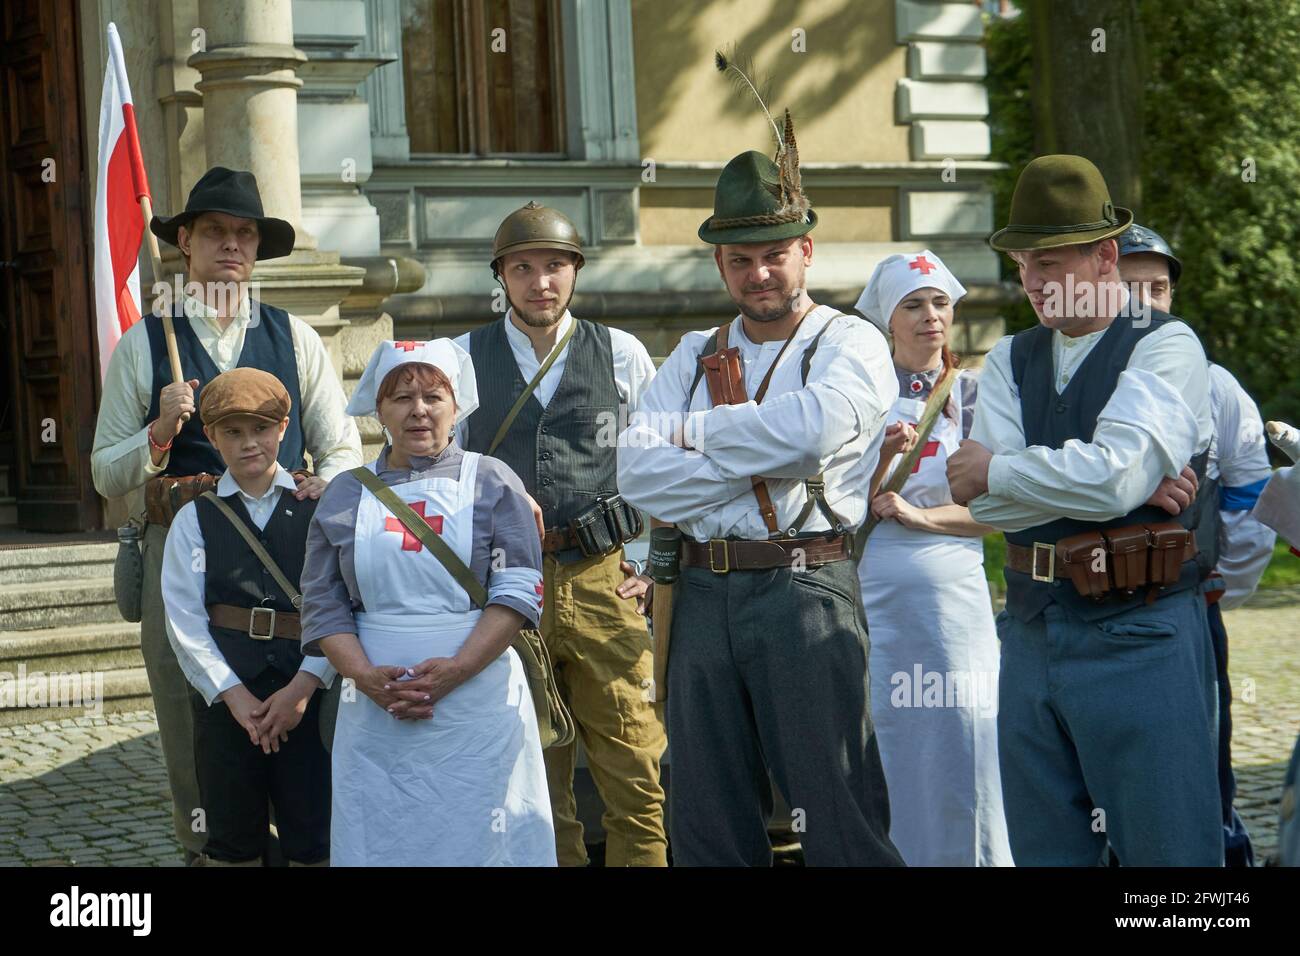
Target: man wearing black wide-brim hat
column 1090, row 438
column 149, row 436
column 765, row 475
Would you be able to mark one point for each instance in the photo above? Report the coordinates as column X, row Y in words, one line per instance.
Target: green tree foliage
column 1221, row 108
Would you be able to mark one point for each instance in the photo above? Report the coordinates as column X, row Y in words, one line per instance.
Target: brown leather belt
column 558, row 539
column 1050, row 564
column 721, row 555
column 259, row 623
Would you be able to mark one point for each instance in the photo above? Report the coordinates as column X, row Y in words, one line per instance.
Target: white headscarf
column 897, row 277
column 443, row 354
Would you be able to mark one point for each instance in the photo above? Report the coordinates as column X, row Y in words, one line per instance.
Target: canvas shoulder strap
column 262, row 555
column 530, row 388
column 426, row 535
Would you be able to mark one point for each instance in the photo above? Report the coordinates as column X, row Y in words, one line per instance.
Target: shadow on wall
column 858, row 35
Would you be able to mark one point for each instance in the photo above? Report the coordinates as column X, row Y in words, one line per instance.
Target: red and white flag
column 119, row 223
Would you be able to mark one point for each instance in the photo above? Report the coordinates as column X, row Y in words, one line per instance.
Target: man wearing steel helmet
column 1237, row 547
column 559, row 384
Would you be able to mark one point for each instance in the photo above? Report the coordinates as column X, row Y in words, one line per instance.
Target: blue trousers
column 1236, row 840
column 1106, row 731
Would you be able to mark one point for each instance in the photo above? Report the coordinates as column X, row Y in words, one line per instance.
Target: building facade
column 396, row 134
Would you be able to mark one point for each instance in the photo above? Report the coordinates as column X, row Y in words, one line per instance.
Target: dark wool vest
column 1051, row 420
column 268, row 345
column 553, row 450
column 235, row 576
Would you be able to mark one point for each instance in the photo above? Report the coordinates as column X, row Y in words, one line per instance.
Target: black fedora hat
column 234, row 192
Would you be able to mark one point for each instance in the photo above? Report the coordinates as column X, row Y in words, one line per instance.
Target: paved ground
column 92, row 791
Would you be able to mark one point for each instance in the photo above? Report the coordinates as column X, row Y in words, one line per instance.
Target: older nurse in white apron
column 436, row 757
column 934, row 652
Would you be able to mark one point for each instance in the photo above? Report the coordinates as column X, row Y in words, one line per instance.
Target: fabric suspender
column 816, row 485
column 251, row 539
column 531, row 387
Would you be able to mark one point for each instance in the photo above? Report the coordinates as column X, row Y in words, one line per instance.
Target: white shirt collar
column 520, row 340
column 227, row 485
column 198, row 309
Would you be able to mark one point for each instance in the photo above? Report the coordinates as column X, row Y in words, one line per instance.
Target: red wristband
column 153, row 444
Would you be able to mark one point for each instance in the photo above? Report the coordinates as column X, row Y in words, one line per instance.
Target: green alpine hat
column 748, row 205
column 1060, row 200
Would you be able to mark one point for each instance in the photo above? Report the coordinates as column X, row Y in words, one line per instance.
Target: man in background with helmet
column 553, row 391
column 1237, row 546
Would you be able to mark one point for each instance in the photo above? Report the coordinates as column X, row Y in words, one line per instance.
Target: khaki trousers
column 600, row 649
column 171, row 698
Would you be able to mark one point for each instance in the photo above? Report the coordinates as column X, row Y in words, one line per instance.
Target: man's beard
column 781, row 306
column 543, row 319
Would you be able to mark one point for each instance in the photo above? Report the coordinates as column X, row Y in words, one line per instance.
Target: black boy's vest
column 235, row 576
column 556, row 451
column 1051, row 420
column 268, row 345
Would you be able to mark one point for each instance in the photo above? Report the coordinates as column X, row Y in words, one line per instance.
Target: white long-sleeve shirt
column 833, row 425
column 633, row 367
column 184, row 578
column 120, row 462
column 1157, row 418
column 1239, row 459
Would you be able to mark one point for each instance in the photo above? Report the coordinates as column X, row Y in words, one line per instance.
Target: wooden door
column 51, row 377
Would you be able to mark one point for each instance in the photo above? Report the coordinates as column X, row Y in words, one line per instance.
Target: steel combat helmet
column 535, row 226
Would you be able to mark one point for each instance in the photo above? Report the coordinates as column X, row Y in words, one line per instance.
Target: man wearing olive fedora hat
column 1090, row 437
column 755, row 439
column 149, row 439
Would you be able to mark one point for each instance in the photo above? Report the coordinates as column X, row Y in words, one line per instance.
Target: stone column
column 250, row 104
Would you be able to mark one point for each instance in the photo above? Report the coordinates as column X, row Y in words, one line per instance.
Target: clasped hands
column 410, row 693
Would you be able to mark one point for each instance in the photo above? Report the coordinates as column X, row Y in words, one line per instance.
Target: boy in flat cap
column 230, row 578
column 150, row 443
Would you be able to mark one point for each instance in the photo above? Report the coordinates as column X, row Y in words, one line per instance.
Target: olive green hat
column 535, row 226
column 748, row 205
column 1060, row 200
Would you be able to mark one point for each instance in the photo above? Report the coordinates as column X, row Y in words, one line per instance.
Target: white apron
column 466, row 787
column 934, row 674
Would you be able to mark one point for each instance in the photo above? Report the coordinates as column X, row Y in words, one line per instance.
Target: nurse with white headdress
column 934, row 651
column 437, row 759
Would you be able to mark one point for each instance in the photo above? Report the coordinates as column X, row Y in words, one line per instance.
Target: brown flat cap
column 244, row 391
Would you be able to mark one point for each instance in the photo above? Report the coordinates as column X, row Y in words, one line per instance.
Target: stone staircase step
column 73, row 562
column 43, row 605
column 62, row 649
column 124, row 689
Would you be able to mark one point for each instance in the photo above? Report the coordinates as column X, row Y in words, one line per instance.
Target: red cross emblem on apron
column 929, row 451
column 409, row 541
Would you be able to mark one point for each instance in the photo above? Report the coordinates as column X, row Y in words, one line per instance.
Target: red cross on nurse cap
column 444, row 354
column 897, row 276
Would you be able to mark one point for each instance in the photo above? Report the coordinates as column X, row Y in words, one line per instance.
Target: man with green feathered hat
column 1090, row 439
column 754, row 440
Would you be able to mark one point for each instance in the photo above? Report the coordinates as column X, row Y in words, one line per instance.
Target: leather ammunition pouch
column 602, row 528
column 167, row 494
column 1119, row 560
column 1083, row 557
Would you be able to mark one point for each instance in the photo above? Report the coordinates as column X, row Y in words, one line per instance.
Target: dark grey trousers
column 768, row 670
